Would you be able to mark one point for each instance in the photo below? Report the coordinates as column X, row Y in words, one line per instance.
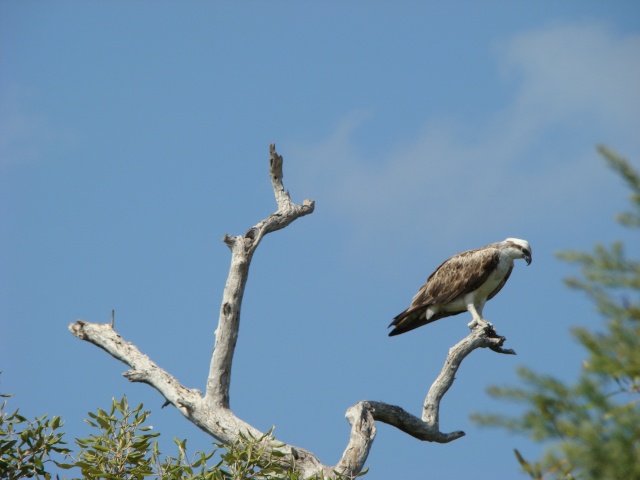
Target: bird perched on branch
column 463, row 283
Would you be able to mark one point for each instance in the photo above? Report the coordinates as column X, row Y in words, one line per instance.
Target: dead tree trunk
column 211, row 411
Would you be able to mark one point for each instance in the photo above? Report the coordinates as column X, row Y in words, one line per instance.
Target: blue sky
column 134, row 135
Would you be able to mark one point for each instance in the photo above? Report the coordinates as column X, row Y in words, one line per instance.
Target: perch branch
column 479, row 337
column 212, row 413
column 363, row 414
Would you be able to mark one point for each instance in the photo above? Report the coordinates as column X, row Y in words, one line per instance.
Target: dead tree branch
column 211, row 411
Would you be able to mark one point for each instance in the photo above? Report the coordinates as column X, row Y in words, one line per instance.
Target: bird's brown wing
column 449, row 281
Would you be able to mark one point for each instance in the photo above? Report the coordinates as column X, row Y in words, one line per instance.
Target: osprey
column 463, row 283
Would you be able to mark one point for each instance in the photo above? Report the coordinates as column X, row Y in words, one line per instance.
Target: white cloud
column 26, row 135
column 532, row 164
column 576, row 70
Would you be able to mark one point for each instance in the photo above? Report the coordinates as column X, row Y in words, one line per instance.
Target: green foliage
column 121, row 450
column 593, row 424
column 249, row 458
column 26, row 446
column 125, row 449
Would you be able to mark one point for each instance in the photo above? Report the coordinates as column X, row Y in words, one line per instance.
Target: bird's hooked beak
column 527, row 257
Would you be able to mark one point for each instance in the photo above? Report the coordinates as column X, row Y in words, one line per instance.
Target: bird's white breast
column 496, row 277
column 480, row 294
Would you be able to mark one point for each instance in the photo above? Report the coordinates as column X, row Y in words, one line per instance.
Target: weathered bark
column 211, row 411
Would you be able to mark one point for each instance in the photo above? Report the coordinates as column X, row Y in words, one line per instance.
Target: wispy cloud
column 576, row 70
column 529, row 164
column 26, row 134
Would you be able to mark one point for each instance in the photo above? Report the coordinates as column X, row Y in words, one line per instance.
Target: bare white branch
column 479, row 337
column 242, row 248
column 212, row 413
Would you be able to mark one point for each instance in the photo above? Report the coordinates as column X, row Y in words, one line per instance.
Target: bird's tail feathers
column 410, row 319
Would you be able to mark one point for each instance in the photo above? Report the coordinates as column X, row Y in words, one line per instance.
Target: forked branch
column 211, row 411
column 242, row 248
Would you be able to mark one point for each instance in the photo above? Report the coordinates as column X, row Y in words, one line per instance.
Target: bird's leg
column 477, row 318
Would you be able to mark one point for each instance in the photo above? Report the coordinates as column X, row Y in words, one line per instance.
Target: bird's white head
column 520, row 248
